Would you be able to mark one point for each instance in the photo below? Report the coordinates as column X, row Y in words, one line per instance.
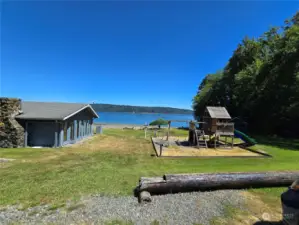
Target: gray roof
column 52, row 110
column 218, row 112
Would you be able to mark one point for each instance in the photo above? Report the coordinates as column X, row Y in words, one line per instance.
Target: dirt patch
column 175, row 150
column 3, row 160
column 98, row 143
column 104, row 143
column 189, row 151
column 255, row 212
column 262, row 210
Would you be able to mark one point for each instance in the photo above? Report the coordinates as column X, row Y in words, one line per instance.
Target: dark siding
column 85, row 114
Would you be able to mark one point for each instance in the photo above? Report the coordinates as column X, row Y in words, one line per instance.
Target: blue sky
column 139, row 53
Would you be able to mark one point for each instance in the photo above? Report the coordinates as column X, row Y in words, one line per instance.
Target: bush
column 159, row 122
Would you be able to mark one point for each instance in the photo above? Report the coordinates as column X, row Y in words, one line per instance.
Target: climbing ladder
column 201, row 139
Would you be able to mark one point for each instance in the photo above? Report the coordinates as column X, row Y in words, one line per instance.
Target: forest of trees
column 138, row 109
column 260, row 83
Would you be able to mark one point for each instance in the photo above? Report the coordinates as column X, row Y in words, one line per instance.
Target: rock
column 11, row 131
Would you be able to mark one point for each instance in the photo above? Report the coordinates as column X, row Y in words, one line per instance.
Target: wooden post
column 215, row 141
column 145, row 132
column 75, row 130
column 161, row 146
column 68, row 132
column 61, row 134
column 168, row 130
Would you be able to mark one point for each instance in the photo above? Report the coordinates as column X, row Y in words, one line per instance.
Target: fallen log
column 175, row 183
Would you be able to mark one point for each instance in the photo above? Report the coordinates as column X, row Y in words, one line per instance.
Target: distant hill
column 138, row 109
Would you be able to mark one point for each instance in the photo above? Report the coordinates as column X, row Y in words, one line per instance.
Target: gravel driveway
column 186, row 208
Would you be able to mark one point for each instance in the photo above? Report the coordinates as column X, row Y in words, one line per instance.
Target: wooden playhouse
column 215, row 123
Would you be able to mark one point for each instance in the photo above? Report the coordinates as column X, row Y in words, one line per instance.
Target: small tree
column 159, row 122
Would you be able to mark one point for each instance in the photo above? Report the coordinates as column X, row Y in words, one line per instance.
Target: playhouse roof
column 218, row 112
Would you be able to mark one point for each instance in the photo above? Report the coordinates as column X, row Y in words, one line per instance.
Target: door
column 41, row 134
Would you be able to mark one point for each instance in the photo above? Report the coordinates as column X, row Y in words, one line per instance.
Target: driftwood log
column 175, row 183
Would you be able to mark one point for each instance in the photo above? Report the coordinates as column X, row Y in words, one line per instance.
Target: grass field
column 112, row 164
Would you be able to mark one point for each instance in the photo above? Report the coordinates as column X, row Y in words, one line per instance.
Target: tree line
column 260, row 83
column 138, row 109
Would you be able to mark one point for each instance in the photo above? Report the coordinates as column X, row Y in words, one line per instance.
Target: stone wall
column 11, row 132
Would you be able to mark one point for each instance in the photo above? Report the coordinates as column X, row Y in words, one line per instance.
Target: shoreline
column 148, row 113
column 122, row 126
column 117, row 125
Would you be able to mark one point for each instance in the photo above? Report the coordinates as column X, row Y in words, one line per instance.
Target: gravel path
column 187, row 208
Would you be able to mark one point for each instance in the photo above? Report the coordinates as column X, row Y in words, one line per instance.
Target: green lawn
column 112, row 164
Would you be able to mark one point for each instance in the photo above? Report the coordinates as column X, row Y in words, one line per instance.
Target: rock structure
column 11, row 132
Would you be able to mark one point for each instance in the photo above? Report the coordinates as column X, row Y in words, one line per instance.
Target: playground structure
column 212, row 136
column 216, row 123
column 213, row 131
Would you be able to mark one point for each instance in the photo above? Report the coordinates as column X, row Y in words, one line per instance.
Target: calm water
column 141, row 118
